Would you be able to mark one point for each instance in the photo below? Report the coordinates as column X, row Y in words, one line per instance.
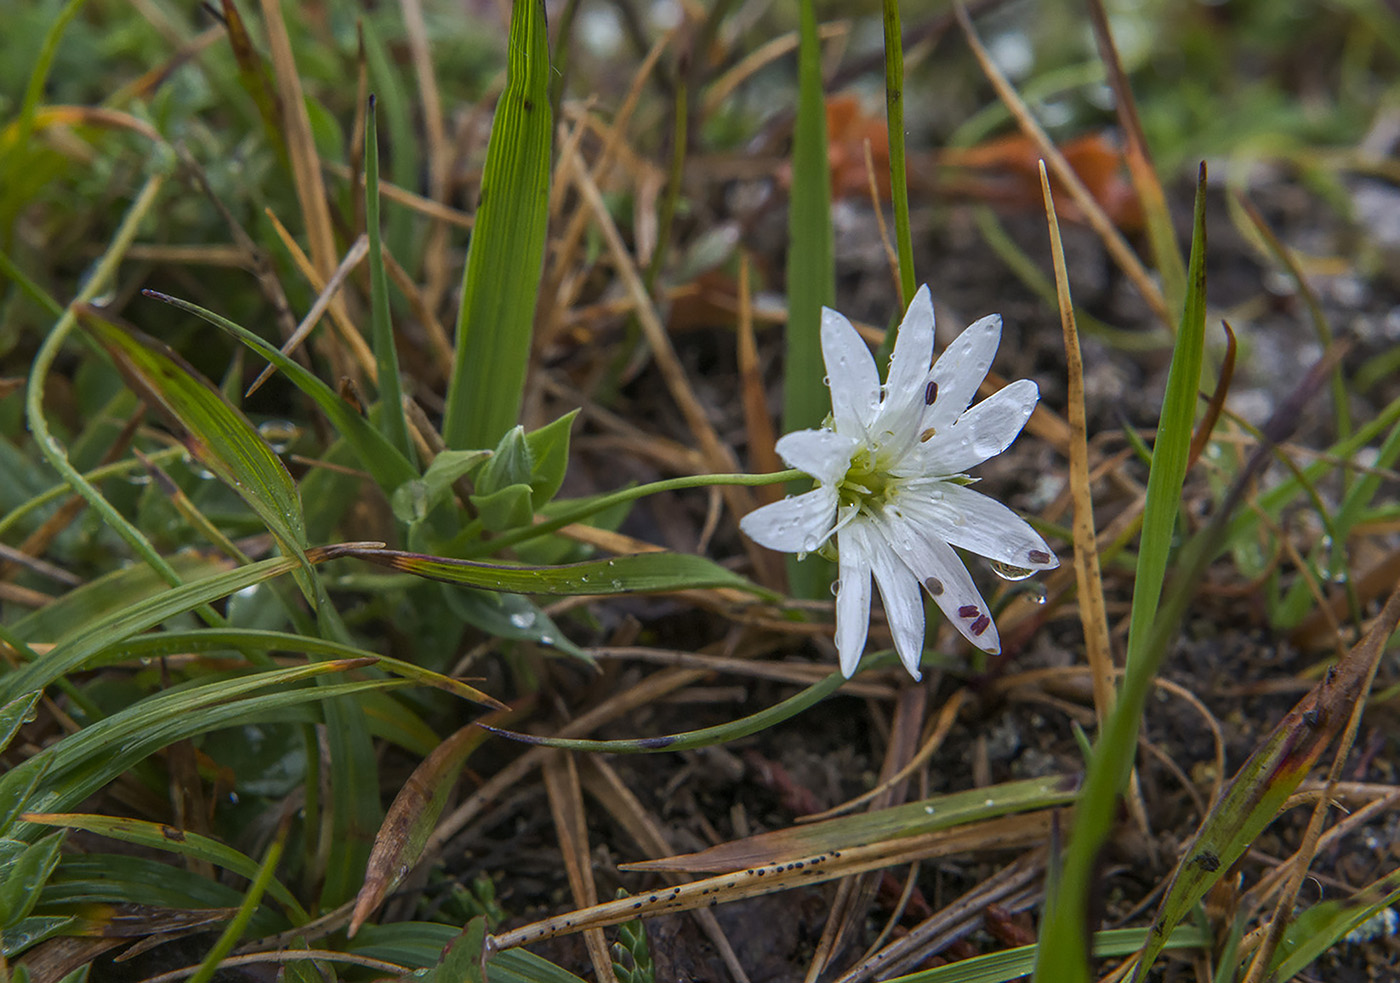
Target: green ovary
column 867, row 484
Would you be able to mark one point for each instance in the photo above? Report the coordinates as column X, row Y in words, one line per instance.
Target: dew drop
column 835, row 587
column 279, row 434
column 1007, row 572
column 522, row 619
column 139, row 478
column 1036, row 592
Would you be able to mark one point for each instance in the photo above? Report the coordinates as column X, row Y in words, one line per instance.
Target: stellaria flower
column 892, row 488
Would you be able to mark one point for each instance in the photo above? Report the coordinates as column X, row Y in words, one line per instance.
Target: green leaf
column 506, row 254
column 385, row 463
column 511, row 616
column 511, row 463
column 414, row 500
column 506, row 508
column 218, row 435
column 26, row 871
column 549, row 448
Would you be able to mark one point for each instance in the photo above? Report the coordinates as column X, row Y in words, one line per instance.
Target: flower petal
column 904, row 608
column 794, row 525
column 823, row 454
column 850, row 372
column 941, row 510
column 941, row 571
column 852, row 601
column 982, row 432
column 961, row 369
column 913, row 352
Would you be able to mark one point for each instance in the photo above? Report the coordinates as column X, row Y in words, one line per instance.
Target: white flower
column 891, row 485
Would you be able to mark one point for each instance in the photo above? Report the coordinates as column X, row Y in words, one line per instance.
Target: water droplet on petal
column 835, row 587
column 1007, row 572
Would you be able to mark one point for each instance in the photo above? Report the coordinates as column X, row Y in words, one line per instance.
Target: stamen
column 930, row 393
column 968, row 611
column 930, row 432
column 980, row 625
column 934, row 586
column 1038, row 556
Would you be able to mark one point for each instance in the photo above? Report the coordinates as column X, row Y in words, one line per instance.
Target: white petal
column 850, row 372
column 904, row 608
column 794, row 525
column 968, row 519
column 941, row 571
column 913, row 349
column 852, row 601
column 982, row 432
column 823, row 454
column 961, row 369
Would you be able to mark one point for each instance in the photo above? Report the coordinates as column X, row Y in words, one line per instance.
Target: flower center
column 868, row 485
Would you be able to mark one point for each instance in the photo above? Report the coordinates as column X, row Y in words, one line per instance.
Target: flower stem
column 596, row 505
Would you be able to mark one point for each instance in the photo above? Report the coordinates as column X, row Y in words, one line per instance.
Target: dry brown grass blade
column 853, row 894
column 1093, row 614
column 353, row 257
column 602, row 782
column 363, row 356
column 565, row 250
column 1113, row 240
column 723, row 87
column 965, row 910
column 717, row 454
column 1011, row 832
column 1320, row 627
column 438, row 338
column 1216, row 404
column 571, row 827
column 437, row 269
column 408, row 199
column 786, row 672
column 1360, row 674
column 301, row 147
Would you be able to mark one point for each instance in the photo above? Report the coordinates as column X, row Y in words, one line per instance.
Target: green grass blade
column 506, row 255
column 84, row 762
column 238, row 924
column 899, row 180
column 391, row 416
column 72, row 654
column 811, row 271
column 219, row 436
column 635, row 573
column 1062, row 955
column 385, row 463
column 160, row 836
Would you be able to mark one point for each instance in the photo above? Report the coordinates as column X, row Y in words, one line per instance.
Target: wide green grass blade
column 73, row 653
column 635, row 573
column 859, row 829
column 160, row 836
column 84, row 762
column 389, row 467
column 1323, row 925
column 1062, row 955
column 1014, row 964
column 506, row 256
column 218, row 435
column 391, row 415
column 811, row 271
